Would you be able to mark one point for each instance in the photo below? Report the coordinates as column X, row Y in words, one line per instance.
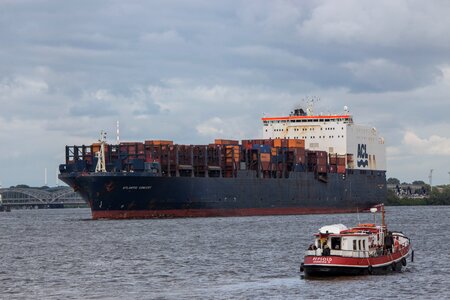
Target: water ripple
column 55, row 254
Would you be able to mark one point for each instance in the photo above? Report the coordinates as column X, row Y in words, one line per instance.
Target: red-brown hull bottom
column 188, row 213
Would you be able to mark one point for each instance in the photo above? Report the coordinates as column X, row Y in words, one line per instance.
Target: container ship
column 305, row 163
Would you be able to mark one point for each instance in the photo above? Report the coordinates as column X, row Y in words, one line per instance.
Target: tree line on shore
column 438, row 195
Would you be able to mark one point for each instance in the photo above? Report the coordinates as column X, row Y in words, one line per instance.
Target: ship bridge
column 336, row 134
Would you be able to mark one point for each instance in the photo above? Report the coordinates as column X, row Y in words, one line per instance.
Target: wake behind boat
column 364, row 249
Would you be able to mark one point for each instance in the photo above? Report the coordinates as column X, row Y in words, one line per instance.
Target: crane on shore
column 430, row 177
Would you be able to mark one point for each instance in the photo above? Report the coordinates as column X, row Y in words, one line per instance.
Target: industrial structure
column 25, row 197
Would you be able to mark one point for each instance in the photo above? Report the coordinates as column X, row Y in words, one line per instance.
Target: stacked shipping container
column 267, row 158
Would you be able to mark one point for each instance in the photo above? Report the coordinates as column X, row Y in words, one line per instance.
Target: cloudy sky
column 192, row 71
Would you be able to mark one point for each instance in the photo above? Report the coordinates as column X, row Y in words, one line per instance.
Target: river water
column 62, row 254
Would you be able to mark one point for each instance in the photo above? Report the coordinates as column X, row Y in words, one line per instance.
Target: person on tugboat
column 388, row 242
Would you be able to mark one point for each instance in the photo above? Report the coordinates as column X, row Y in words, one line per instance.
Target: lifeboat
column 360, row 250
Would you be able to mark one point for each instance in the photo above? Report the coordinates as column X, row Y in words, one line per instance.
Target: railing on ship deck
column 356, row 253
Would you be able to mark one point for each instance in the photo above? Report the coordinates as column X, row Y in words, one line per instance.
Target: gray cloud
column 191, row 71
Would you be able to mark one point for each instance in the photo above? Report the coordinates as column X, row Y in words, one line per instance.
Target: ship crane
column 101, row 165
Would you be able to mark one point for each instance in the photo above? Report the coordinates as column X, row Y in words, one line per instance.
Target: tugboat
column 361, row 250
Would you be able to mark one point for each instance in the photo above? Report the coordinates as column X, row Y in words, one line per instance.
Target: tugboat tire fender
column 394, row 266
column 404, row 261
column 370, row 270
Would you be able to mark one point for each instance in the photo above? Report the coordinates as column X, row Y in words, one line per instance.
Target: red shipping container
column 341, row 161
column 333, row 169
column 321, row 161
column 333, row 159
column 321, row 154
column 321, row 169
column 265, row 165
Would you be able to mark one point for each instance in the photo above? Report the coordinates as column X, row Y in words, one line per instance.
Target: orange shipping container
column 294, row 143
column 162, row 142
column 158, row 142
column 95, row 147
column 274, row 151
column 265, row 157
column 226, row 142
column 277, row 143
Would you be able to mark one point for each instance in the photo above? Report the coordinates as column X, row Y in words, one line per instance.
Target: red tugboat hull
column 338, row 265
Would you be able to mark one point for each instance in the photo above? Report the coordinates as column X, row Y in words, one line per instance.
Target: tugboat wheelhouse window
column 336, row 243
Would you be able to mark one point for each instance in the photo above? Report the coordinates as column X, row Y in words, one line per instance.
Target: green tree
column 439, row 197
column 392, row 198
column 393, row 180
column 418, row 182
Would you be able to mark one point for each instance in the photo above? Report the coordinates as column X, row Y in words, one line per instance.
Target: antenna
column 117, row 133
column 430, row 177
column 310, row 104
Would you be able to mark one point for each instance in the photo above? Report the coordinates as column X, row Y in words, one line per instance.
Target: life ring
column 404, row 261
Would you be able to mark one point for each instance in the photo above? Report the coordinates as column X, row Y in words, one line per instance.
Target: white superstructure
column 363, row 148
